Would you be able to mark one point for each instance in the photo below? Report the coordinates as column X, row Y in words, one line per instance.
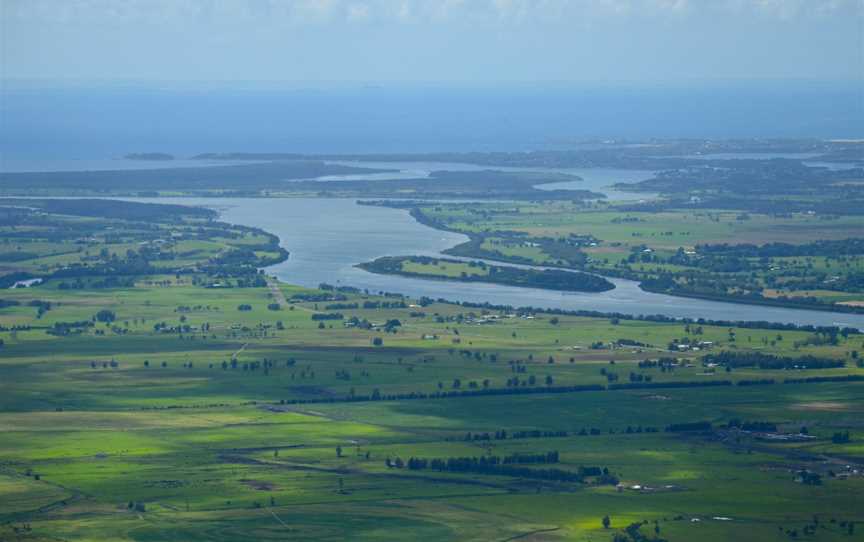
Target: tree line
column 508, row 466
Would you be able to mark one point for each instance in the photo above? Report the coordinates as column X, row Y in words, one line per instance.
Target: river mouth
column 327, row 238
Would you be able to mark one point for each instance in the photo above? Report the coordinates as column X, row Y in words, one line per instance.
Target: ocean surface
column 78, row 123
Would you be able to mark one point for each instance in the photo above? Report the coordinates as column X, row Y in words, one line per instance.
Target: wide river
column 327, row 237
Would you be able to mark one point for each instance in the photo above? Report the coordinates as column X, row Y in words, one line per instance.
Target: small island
column 479, row 271
column 154, row 156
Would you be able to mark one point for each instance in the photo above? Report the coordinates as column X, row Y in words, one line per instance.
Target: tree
column 606, row 522
column 106, row 316
column 377, row 341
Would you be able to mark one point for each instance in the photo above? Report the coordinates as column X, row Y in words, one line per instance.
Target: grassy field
column 667, row 250
column 190, row 450
column 451, row 269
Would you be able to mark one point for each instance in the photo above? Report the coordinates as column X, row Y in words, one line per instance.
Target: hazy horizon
column 83, row 78
column 432, row 40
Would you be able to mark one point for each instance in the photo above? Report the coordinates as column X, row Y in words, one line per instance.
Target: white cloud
column 358, row 12
column 395, row 11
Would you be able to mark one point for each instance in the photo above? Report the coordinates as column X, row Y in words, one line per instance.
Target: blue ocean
column 39, row 122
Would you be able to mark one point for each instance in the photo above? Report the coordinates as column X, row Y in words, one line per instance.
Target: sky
column 431, row 41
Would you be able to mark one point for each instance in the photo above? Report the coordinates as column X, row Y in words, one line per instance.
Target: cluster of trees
column 842, row 247
column 136, row 506
column 503, row 434
column 328, row 316
column 824, row 379
column 841, row 438
column 674, row 384
column 633, row 533
column 105, row 316
column 508, row 466
column 376, row 395
column 632, row 342
column 105, row 364
column 97, row 283
column 63, row 329
column 317, row 297
column 736, row 423
column 516, row 382
column 809, row 478
column 343, row 289
column 700, row 426
column 367, row 305
column 769, row 361
column 664, row 364
column 468, row 463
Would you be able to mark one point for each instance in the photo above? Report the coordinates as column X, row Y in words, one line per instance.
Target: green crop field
column 199, row 451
